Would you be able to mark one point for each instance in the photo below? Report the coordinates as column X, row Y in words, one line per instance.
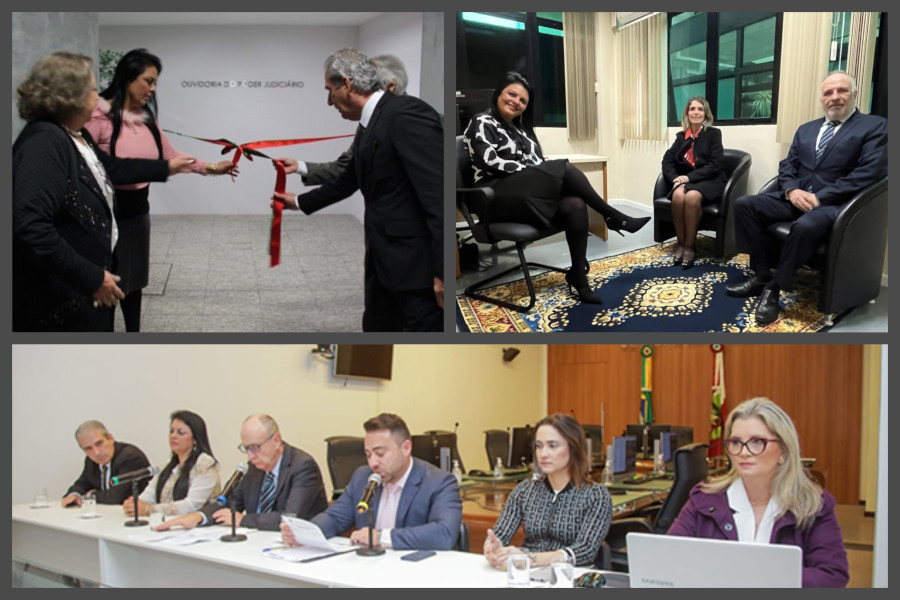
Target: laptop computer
column 683, row 562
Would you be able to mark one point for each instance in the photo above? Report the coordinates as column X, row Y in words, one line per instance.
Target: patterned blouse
column 494, row 152
column 204, row 486
column 574, row 520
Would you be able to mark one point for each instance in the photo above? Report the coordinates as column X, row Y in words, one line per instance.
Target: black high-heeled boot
column 622, row 221
column 578, row 285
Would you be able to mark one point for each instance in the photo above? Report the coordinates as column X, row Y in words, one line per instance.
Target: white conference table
column 102, row 550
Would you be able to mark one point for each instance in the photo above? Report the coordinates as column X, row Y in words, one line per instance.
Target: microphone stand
column 233, row 536
column 134, row 496
column 370, row 550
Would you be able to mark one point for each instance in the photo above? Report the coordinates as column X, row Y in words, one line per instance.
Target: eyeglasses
column 754, row 446
column 253, row 448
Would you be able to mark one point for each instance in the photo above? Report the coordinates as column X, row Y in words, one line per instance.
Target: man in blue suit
column 830, row 160
column 417, row 506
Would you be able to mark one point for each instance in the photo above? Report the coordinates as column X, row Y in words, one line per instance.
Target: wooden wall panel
column 818, row 385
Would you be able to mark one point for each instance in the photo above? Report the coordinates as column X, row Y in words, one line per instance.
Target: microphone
column 133, row 476
column 374, row 482
column 232, row 484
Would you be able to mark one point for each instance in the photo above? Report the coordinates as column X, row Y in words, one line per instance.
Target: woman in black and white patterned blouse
column 562, row 513
column 507, row 157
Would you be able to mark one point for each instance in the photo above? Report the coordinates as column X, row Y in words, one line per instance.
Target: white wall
column 242, row 114
column 399, row 34
column 133, row 388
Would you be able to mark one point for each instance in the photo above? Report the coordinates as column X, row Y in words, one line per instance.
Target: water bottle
column 498, row 467
column 658, row 465
column 457, row 472
column 607, row 477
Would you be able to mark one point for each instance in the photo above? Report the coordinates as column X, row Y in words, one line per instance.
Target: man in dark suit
column 397, row 163
column 393, row 78
column 830, row 160
column 105, row 458
column 280, row 479
column 417, row 506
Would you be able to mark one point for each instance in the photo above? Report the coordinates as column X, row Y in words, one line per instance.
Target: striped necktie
column 267, row 494
column 826, row 137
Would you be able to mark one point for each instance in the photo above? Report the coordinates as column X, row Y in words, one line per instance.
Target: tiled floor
column 553, row 250
column 211, row 273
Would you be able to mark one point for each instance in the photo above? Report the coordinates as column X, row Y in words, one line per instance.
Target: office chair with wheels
column 496, row 443
column 473, row 203
column 717, row 217
column 344, row 454
column 851, row 259
column 690, row 469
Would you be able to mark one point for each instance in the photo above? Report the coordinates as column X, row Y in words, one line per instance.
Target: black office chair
column 462, row 542
column 851, row 260
column 690, row 469
column 473, row 203
column 717, row 217
column 683, row 435
column 344, row 454
column 454, row 449
column 496, row 443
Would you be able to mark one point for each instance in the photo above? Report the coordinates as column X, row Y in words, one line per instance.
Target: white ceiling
column 236, row 18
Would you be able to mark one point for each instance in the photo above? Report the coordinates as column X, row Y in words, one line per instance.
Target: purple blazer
column 824, row 557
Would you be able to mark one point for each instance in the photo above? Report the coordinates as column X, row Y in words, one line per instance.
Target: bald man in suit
column 830, row 160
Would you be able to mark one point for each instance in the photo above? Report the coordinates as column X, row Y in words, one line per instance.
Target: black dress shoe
column 767, row 309
column 752, row 286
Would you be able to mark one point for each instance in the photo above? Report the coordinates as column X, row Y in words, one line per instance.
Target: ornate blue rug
column 643, row 291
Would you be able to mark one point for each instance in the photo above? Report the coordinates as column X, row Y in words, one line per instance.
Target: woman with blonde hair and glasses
column 767, row 496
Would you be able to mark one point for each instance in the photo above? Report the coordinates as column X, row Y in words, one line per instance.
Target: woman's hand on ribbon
column 289, row 200
column 181, row 164
column 290, row 165
column 226, row 167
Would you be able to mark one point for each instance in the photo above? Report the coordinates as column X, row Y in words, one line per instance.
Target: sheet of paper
column 183, row 537
column 309, row 535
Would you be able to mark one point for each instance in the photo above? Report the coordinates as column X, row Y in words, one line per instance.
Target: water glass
column 518, row 571
column 40, row 498
column 89, row 504
column 563, row 568
column 157, row 516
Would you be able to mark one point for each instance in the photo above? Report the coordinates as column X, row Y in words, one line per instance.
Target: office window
column 840, row 36
column 489, row 44
column 729, row 58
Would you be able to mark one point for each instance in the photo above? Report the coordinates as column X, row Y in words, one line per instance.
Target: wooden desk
column 587, row 163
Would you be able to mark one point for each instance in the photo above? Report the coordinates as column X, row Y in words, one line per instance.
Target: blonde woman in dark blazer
column 693, row 167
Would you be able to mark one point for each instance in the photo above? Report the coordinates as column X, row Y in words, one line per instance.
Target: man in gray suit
column 280, row 479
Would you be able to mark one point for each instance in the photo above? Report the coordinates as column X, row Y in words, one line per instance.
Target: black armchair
column 344, row 454
column 717, row 217
column 473, row 203
column 690, row 469
column 851, row 259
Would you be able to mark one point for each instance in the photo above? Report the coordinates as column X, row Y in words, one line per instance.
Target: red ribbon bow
column 250, row 150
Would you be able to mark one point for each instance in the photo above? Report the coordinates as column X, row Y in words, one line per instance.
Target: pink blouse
column 135, row 139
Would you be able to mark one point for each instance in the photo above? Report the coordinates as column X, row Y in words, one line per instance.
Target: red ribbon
column 250, row 150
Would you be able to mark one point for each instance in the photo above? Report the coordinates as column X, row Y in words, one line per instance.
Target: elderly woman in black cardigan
column 64, row 231
column 693, row 166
